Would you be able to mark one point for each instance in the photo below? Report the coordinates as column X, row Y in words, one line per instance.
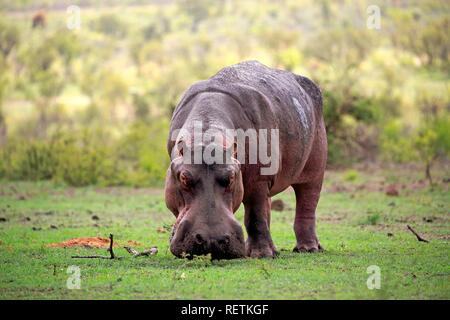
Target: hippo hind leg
column 305, row 217
column 307, row 192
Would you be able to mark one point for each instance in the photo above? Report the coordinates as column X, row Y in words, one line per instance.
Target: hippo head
column 203, row 197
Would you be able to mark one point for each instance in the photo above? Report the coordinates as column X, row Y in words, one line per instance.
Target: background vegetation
column 93, row 106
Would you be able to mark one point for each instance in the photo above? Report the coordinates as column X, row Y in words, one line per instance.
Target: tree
column 433, row 141
column 68, row 46
column 200, row 10
column 435, row 40
column 9, row 38
column 428, row 39
column 47, row 76
column 110, row 24
column 345, row 46
column 3, row 86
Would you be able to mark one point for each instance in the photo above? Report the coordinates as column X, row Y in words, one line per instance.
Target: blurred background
column 91, row 104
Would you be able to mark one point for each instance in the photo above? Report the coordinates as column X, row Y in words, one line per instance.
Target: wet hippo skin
column 204, row 197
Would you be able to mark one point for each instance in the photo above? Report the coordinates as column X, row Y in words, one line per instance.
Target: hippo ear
column 176, row 165
column 231, row 153
column 180, row 148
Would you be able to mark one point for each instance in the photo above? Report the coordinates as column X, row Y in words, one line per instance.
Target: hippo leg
column 307, row 197
column 257, row 222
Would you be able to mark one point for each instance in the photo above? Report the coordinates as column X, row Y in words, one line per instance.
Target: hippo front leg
column 259, row 243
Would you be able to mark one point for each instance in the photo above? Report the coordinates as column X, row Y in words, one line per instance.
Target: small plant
column 372, row 218
column 168, row 227
column 263, row 268
column 351, row 175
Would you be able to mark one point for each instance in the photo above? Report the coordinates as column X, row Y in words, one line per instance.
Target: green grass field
column 355, row 217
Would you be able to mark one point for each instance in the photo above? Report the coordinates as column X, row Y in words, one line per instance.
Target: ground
column 358, row 224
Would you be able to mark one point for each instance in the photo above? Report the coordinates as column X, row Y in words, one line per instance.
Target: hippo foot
column 308, row 246
column 260, row 249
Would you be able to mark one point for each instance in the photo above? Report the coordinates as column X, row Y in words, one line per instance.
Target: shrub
column 432, row 141
column 351, row 175
column 395, row 142
column 79, row 160
column 28, row 161
column 142, row 152
column 89, row 157
column 350, row 121
column 110, row 24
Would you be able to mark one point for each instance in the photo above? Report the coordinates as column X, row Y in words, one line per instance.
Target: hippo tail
column 312, row 90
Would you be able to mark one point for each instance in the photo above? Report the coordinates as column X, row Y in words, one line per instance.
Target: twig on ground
column 110, row 250
column 92, row 257
column 416, row 234
column 151, row 251
column 131, row 250
column 111, row 242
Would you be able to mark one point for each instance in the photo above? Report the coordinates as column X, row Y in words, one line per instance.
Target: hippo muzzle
column 224, row 241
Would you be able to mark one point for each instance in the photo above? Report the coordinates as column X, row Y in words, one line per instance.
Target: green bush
column 110, row 24
column 144, row 154
column 351, row 175
column 396, row 143
column 350, row 121
column 90, row 157
column 28, row 161
column 432, row 142
column 79, row 160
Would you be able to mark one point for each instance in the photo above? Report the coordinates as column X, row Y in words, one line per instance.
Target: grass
column 354, row 219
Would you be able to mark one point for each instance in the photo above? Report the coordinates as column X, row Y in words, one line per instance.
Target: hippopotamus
column 248, row 97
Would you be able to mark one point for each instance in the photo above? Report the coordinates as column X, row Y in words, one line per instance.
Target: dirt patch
column 90, row 242
column 95, row 242
column 392, row 191
column 277, row 205
column 135, row 243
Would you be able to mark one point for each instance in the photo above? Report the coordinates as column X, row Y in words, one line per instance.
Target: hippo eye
column 224, row 182
column 186, row 179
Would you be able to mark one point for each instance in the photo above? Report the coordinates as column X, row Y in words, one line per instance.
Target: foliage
column 433, row 141
column 9, row 38
column 396, row 143
column 426, row 37
column 111, row 25
column 129, row 65
column 89, row 157
column 351, row 175
column 350, row 120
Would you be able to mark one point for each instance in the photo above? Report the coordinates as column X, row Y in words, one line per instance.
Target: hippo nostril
column 224, row 240
column 199, row 239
